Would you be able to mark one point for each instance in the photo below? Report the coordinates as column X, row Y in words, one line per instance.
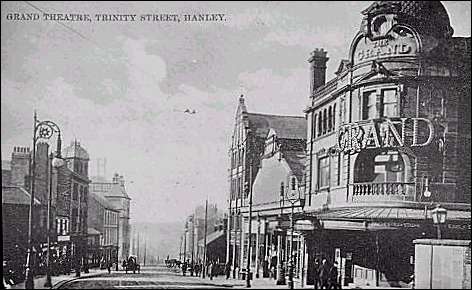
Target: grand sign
column 393, row 46
column 385, row 133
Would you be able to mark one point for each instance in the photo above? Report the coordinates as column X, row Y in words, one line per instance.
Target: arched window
column 325, row 123
column 330, row 119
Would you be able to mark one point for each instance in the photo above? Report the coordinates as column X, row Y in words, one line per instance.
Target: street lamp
column 280, row 267
column 293, row 195
column 54, row 162
column 41, row 130
column 439, row 216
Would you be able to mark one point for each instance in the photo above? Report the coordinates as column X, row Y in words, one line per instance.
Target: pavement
column 157, row 277
column 57, row 281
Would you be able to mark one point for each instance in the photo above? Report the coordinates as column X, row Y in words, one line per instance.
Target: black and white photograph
column 231, row 144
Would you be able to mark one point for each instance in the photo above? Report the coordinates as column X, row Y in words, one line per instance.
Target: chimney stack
column 116, row 178
column 317, row 60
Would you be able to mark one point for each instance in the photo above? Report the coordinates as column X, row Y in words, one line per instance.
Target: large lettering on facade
column 385, row 133
column 396, row 45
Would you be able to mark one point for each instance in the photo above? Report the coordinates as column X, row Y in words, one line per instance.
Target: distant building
column 215, row 246
column 196, row 230
column 115, row 193
column 103, row 220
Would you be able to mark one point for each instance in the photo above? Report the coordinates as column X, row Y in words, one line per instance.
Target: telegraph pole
column 193, row 241
column 180, row 251
column 205, row 239
column 137, row 252
column 144, row 262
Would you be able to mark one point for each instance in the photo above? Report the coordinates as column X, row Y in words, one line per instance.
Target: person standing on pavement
column 227, row 270
column 109, row 267
column 324, row 274
column 333, row 276
column 317, row 268
column 184, row 267
column 210, row 270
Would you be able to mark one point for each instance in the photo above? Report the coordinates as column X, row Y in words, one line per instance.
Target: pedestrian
column 191, row 269
column 324, row 274
column 210, row 270
column 184, row 268
column 265, row 267
column 317, row 268
column 109, row 267
column 333, row 276
column 227, row 270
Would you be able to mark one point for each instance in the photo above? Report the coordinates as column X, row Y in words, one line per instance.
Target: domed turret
column 428, row 17
column 74, row 150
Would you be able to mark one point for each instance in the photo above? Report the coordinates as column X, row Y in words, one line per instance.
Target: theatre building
column 388, row 139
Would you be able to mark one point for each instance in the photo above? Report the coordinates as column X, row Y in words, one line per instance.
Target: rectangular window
column 323, row 169
column 75, row 191
column 380, row 103
column 369, row 105
column 75, row 214
column 389, row 103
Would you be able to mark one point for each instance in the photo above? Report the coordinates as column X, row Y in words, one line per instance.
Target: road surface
column 155, row 277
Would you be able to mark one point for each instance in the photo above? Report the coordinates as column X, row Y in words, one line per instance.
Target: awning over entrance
column 390, row 213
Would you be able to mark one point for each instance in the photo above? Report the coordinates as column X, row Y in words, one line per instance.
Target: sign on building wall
column 385, row 133
column 398, row 43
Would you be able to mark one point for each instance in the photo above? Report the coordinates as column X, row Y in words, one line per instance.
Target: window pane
column 389, row 103
column 369, row 110
column 323, row 172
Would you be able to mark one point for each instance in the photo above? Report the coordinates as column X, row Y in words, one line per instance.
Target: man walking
column 227, row 270
column 333, row 276
column 316, row 270
column 324, row 274
column 210, row 270
column 184, row 268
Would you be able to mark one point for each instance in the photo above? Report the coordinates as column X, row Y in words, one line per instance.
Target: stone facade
column 383, row 132
column 115, row 193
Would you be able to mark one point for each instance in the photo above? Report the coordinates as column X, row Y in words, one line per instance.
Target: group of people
column 326, row 275
column 212, row 269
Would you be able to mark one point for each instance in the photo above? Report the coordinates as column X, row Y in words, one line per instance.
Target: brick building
column 116, row 195
column 71, row 204
column 103, row 219
column 16, row 196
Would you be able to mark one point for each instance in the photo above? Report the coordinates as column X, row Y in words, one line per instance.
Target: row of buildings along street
column 381, row 152
column 89, row 216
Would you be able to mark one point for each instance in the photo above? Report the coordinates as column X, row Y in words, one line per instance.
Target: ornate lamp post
column 280, row 256
column 293, row 195
column 41, row 130
column 54, row 162
column 439, row 216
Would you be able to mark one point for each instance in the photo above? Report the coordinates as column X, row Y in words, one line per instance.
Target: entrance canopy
column 382, row 218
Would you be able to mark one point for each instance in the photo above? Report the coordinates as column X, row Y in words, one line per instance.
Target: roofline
column 24, row 191
column 120, row 196
column 273, row 115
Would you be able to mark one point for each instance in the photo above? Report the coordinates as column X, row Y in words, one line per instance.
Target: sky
column 120, row 88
